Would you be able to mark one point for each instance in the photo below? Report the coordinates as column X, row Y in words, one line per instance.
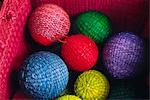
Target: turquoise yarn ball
column 43, row 75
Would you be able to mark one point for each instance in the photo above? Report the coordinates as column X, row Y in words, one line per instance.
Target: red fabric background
column 126, row 15
column 13, row 47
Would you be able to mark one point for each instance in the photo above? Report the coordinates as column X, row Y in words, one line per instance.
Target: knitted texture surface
column 92, row 85
column 123, row 54
column 69, row 97
column 79, row 52
column 122, row 91
column 48, row 23
column 94, row 24
column 43, row 75
column 13, row 47
column 125, row 15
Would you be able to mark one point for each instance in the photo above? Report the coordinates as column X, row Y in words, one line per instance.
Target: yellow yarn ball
column 92, row 85
column 69, row 97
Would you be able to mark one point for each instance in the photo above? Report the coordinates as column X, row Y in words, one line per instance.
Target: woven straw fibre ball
column 92, row 85
column 94, row 24
column 43, row 75
column 122, row 55
column 69, row 97
column 79, row 52
column 48, row 23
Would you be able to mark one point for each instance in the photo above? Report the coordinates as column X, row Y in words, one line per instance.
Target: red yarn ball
column 79, row 52
column 48, row 23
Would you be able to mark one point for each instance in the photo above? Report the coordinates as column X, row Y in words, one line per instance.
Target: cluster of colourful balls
column 45, row 75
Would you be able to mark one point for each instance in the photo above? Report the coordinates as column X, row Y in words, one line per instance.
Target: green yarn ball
column 92, row 85
column 69, row 97
column 94, row 24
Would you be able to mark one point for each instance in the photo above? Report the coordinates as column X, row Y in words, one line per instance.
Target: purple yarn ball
column 123, row 54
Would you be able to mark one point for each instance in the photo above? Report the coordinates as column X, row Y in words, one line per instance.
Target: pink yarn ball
column 48, row 23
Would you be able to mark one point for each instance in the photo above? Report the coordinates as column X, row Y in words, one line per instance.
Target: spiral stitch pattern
column 92, row 85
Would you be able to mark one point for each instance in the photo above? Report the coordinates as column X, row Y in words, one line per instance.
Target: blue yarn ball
column 43, row 75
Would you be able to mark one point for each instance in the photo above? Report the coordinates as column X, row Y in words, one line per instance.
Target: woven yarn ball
column 122, row 91
column 94, row 24
column 79, row 52
column 92, row 85
column 48, row 23
column 69, row 97
column 43, row 75
column 122, row 55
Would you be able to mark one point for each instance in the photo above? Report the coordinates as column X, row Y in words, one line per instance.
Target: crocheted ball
column 94, row 24
column 48, row 23
column 69, row 97
column 43, row 75
column 122, row 55
column 92, row 85
column 122, row 91
column 79, row 52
